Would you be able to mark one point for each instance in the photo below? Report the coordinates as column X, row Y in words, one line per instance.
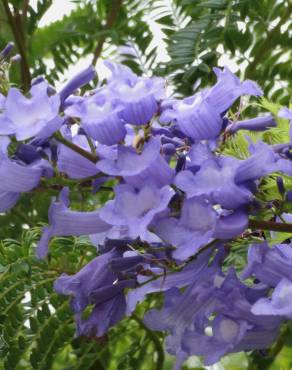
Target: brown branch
column 25, row 10
column 17, row 33
column 112, row 15
column 270, row 225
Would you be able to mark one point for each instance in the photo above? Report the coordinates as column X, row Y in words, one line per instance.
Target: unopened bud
column 6, row 51
column 254, row 124
column 280, row 185
column 15, row 59
column 78, row 81
column 168, row 149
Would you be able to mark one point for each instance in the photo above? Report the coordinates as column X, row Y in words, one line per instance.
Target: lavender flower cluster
column 178, row 202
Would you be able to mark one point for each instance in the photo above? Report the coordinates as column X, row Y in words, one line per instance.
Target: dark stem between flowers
column 270, row 225
column 90, row 156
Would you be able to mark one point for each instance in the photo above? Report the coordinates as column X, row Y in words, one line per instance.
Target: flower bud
column 280, row 185
column 168, row 149
column 254, row 124
column 78, row 81
column 6, row 51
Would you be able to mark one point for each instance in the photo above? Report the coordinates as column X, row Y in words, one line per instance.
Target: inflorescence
column 175, row 194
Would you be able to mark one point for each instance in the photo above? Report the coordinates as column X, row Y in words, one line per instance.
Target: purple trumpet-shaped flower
column 40, row 79
column 64, row 222
column 188, row 275
column 96, row 284
column 200, row 116
column 285, row 113
column 262, row 162
column 228, row 336
column 78, row 81
column 53, row 126
column 193, row 230
column 94, row 275
column 228, row 89
column 254, row 124
column 126, row 263
column 231, row 225
column 27, row 117
column 199, row 153
column 27, row 153
column 103, row 316
column 120, row 72
column 194, row 117
column 181, row 310
column 137, row 169
column 16, row 177
column 99, row 119
column 279, row 304
column 216, row 181
column 228, row 325
column 138, row 96
column 120, row 232
column 237, row 299
column 4, row 143
column 269, row 265
column 136, row 209
column 7, row 200
column 225, row 333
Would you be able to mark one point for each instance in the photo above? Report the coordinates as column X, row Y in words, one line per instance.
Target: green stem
column 90, row 156
column 158, row 346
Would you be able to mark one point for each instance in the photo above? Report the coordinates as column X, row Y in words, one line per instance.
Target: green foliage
column 254, row 34
column 244, row 31
column 35, row 322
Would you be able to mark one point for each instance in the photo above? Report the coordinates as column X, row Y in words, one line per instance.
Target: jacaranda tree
column 142, row 227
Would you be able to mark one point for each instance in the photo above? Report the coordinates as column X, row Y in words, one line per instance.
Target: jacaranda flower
column 27, row 117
